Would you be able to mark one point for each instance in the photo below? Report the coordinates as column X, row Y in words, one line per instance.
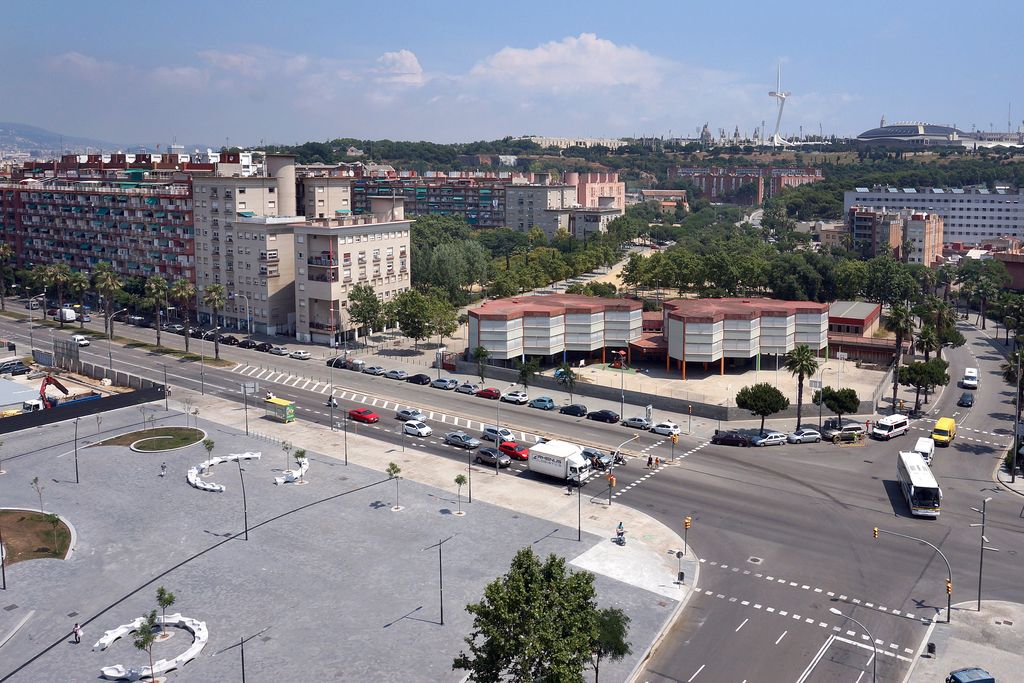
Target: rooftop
column 857, row 310
column 738, row 308
column 551, row 305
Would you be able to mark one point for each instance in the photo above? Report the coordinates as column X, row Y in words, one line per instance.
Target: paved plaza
column 337, row 584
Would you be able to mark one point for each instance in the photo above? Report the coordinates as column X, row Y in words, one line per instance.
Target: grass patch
column 14, row 314
column 178, row 353
column 157, row 439
column 31, row 536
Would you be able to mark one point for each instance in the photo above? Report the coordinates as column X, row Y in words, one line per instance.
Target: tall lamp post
column 440, row 571
column 76, row 449
column 202, row 360
column 31, row 339
column 949, row 570
column 984, row 547
column 874, row 648
column 1016, row 425
column 497, row 409
column 821, row 388
column 622, row 383
column 248, row 319
column 110, row 335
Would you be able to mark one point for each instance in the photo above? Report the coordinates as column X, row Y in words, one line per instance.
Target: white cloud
column 188, row 77
column 85, row 66
column 245, row 63
column 402, row 68
column 575, row 62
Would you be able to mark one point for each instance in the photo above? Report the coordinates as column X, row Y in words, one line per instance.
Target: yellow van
column 944, row 431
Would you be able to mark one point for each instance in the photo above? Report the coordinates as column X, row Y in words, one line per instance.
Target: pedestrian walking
column 163, row 469
column 77, row 630
column 650, row 461
column 657, row 463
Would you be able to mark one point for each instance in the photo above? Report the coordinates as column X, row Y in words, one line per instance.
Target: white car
column 805, row 436
column 410, row 415
column 397, row 374
column 637, row 422
column 301, row 355
column 519, row 397
column 770, row 439
column 417, row 428
column 80, row 339
column 666, row 428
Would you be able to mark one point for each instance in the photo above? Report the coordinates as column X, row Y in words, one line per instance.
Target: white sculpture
column 200, row 636
column 291, row 476
column 204, row 467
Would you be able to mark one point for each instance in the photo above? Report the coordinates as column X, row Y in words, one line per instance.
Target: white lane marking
column 741, row 625
column 315, row 386
column 306, row 384
column 688, row 680
column 781, row 637
column 815, row 660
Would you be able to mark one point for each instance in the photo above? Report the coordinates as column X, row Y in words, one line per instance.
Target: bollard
column 682, row 575
column 931, row 649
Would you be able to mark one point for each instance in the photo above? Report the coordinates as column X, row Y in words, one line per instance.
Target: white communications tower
column 780, row 95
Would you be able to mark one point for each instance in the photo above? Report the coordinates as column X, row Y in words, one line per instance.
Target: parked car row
column 833, row 431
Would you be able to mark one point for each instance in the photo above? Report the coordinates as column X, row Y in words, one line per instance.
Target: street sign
column 815, row 384
column 250, row 388
column 841, row 355
column 649, row 412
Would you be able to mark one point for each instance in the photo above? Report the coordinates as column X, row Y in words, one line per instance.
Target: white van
column 497, row 434
column 890, row 426
column 970, row 380
column 926, row 447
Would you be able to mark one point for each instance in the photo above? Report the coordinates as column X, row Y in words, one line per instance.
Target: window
column 241, row 190
column 241, row 205
column 271, row 204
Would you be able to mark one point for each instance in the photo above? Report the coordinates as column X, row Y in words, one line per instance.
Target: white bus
column 918, row 483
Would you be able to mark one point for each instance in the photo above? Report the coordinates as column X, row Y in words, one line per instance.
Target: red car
column 514, row 450
column 363, row 415
column 489, row 392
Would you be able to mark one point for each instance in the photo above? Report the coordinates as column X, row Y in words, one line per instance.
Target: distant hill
column 24, row 138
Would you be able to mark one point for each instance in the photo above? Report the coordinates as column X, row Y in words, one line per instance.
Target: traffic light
column 687, row 522
column 675, row 439
column 949, row 587
column 689, row 410
column 876, row 532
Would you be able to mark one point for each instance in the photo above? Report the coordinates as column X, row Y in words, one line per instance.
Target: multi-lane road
column 784, row 533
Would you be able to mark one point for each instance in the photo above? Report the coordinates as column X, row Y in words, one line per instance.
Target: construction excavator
column 44, row 402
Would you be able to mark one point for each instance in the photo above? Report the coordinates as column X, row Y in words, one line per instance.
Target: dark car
column 210, row 335
column 490, row 456
column 419, row 379
column 14, row 367
column 336, row 362
column 196, row 332
column 264, row 347
column 966, row 400
column 248, row 344
column 598, row 458
column 576, row 410
column 609, row 416
column 731, row 439
column 228, row 339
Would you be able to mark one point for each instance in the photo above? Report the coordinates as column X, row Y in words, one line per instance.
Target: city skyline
column 462, row 72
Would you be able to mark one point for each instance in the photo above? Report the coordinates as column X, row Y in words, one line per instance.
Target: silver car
column 637, row 422
column 770, row 439
column 491, row 456
column 468, row 388
column 375, row 370
column 406, row 414
column 462, row 440
column 805, row 436
column 397, row 374
column 519, row 397
column 446, row 383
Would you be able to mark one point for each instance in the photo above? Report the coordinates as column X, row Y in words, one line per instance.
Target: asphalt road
column 784, row 532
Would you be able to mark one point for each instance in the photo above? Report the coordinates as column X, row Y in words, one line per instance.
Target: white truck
column 559, row 459
column 66, row 315
column 926, row 447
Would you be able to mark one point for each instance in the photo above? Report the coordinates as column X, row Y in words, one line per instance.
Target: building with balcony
column 555, row 326
column 141, row 227
column 243, row 241
column 539, row 205
column 749, row 186
column 334, row 254
column 476, row 198
column 875, row 231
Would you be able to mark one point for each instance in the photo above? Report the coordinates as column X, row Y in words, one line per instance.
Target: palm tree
column 214, row 298
column 183, row 293
column 156, row 292
column 5, row 257
column 1009, row 372
column 78, row 285
column 901, row 323
column 986, row 289
column 927, row 341
column 801, row 362
column 108, row 284
column 945, row 279
column 57, row 275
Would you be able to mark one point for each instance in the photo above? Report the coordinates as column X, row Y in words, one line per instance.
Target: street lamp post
column 622, row 383
column 440, row 571
column 874, row 647
column 110, row 335
column 984, row 547
column 31, row 340
column 245, row 507
column 202, row 360
column 469, row 468
column 821, row 388
column 1016, row 425
column 248, row 319
column 76, row 450
column 949, row 570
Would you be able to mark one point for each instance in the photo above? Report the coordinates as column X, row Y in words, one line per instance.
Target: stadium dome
column 912, row 135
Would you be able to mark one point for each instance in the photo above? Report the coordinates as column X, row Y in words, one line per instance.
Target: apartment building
column 748, row 186
column 480, row 201
column 972, row 216
column 875, row 232
column 243, row 242
column 334, row 254
column 140, row 227
column 922, row 236
column 544, row 206
column 325, row 196
column 598, row 189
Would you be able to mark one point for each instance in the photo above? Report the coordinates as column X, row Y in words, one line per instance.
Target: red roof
column 713, row 310
column 550, row 305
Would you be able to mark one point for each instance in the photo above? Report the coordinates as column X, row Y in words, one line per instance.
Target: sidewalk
column 992, row 639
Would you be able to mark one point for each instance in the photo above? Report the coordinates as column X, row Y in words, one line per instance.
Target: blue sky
column 210, row 72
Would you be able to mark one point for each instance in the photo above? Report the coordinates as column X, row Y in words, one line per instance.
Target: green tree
column 851, row 278
column 556, row 607
column 164, row 599
column 6, row 253
column 286, row 446
column 215, row 298
column 300, row 458
column 109, row 286
column 54, row 521
column 915, row 375
column 393, row 471
column 566, row 376
column 411, row 310
column 611, row 643
column 460, row 481
column 839, row 401
column 761, row 399
column 927, row 341
column 481, row 354
column 145, row 638
column 801, row 362
column 57, row 276
column 365, row 309
column 78, row 285
column 1009, row 372
column 900, row 322
column 527, row 371
column 183, row 293
column 156, row 296
column 208, row 444
column 443, row 318
column 38, row 488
